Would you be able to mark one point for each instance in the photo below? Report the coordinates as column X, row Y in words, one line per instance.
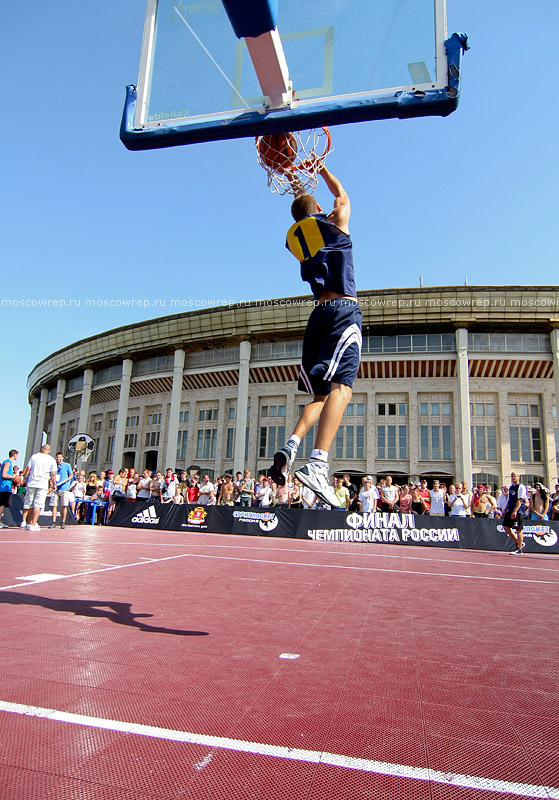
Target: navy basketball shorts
column 332, row 346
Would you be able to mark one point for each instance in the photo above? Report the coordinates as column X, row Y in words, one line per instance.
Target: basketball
column 278, row 150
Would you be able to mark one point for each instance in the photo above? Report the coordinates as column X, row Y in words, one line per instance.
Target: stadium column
column 555, row 355
column 58, row 403
column 504, row 428
column 371, row 432
column 174, row 413
column 548, row 436
column 465, row 450
column 85, row 401
column 242, row 406
column 32, row 428
column 121, row 413
column 40, row 429
column 413, row 436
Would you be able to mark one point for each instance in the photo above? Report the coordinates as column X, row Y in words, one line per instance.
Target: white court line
column 93, row 571
column 377, row 569
column 291, row 754
column 296, row 564
column 510, row 564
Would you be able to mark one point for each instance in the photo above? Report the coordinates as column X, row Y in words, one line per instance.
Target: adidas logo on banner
column 147, row 516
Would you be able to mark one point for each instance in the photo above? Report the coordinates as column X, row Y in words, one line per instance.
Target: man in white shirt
column 437, row 500
column 40, row 476
column 389, row 495
column 207, row 490
column 368, row 496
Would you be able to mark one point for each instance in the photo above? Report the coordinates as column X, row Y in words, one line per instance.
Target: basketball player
column 332, row 342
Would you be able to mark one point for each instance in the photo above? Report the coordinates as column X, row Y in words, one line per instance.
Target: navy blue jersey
column 325, row 253
column 513, row 497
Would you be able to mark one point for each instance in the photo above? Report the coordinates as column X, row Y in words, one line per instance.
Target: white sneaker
column 3, row 526
column 23, row 525
column 283, row 461
column 314, row 476
column 33, row 527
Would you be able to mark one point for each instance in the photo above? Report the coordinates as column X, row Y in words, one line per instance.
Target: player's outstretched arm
column 342, row 208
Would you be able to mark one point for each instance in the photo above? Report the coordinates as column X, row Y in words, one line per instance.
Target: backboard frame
column 434, row 98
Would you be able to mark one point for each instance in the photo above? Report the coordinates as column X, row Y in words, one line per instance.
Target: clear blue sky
column 472, row 195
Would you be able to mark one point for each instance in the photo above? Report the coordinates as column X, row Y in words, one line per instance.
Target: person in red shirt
column 193, row 491
column 424, row 493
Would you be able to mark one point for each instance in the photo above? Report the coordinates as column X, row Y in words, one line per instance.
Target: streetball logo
column 146, row 517
column 542, row 534
column 268, row 522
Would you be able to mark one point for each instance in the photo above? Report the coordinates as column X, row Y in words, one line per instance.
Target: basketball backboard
column 330, row 61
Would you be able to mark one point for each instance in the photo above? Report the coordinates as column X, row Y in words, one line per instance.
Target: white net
column 292, row 161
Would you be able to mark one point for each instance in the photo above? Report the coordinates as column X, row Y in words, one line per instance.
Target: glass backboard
column 347, row 61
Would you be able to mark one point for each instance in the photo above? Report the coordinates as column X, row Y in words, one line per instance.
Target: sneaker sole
column 308, row 482
column 276, row 470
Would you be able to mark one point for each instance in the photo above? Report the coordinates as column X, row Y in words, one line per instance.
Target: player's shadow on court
column 120, row 613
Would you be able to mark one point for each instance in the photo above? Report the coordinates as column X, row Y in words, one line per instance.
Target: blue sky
column 471, row 196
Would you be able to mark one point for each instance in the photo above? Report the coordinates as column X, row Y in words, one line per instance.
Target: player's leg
column 283, row 459
column 331, row 415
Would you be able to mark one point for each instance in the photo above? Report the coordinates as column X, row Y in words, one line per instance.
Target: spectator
column 77, row 487
column 418, row 502
column 467, row 495
column 144, row 486
column 184, row 483
column 436, row 500
column 353, row 493
column 40, row 475
column 457, row 502
column 308, row 497
column 156, row 488
column 368, row 496
column 281, row 493
column 246, row 489
column 295, row 497
column 482, row 502
column 170, row 485
column 6, row 482
column 342, row 493
column 237, row 482
column 388, row 496
column 424, row 493
column 132, row 484
column 404, row 502
column 178, row 498
column 228, row 492
column 207, row 492
column 264, row 497
column 539, row 503
column 193, row 491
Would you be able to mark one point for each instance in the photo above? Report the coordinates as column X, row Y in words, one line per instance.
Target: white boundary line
column 291, row 754
column 291, row 564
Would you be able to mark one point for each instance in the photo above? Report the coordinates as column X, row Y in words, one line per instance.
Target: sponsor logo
column 542, row 534
column 197, row 515
column 146, row 517
column 267, row 520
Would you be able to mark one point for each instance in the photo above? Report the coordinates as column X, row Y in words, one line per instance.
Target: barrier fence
column 336, row 526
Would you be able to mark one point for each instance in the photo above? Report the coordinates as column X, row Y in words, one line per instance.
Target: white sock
column 293, row 442
column 319, row 455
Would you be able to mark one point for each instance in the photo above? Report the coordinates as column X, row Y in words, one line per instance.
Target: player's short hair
column 302, row 206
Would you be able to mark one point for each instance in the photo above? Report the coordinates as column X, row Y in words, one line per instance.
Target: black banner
column 336, row 526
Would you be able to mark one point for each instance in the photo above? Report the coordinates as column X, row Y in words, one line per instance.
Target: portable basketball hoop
column 82, row 446
column 293, row 160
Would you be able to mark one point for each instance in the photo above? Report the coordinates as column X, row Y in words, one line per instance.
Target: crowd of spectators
column 108, row 489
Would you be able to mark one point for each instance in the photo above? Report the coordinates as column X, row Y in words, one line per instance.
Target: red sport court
column 160, row 665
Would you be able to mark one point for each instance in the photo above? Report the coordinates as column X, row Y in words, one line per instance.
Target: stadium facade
column 455, row 383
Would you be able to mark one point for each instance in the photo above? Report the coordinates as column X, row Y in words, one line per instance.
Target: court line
column 377, row 569
column 288, row 753
column 93, row 571
column 511, row 564
column 294, row 564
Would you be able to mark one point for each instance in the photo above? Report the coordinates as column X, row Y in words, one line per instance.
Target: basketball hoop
column 82, row 446
column 292, row 161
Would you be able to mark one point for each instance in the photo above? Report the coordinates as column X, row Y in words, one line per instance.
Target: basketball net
column 301, row 175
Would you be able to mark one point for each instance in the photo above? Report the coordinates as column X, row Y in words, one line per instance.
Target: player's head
column 302, row 206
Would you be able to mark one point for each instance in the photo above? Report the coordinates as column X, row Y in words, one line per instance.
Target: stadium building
column 455, row 383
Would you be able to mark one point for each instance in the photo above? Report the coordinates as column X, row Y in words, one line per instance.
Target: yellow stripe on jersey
column 304, row 238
